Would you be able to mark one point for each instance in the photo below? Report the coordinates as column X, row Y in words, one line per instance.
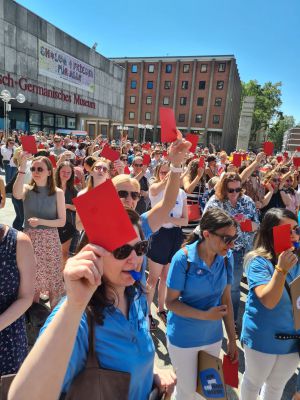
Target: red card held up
column 286, row 154
column 168, row 125
column 41, row 146
column 246, row 226
column 279, row 159
column 104, row 218
column 237, row 160
column 268, row 148
column 110, row 154
column 244, row 156
column 126, row 170
column 146, row 146
column 201, row 162
column 296, row 161
column 29, row 144
column 282, row 238
column 165, row 154
column 194, row 140
column 146, row 159
column 298, row 149
column 230, row 372
column 53, row 160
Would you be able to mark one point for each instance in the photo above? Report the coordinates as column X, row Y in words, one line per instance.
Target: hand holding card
column 168, row 125
column 29, row 144
column 282, row 238
column 231, row 372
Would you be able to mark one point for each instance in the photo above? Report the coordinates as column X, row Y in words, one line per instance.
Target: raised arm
column 248, row 171
column 19, row 189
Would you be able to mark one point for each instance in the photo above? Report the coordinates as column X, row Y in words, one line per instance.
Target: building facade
column 67, row 85
column 203, row 91
column 291, row 140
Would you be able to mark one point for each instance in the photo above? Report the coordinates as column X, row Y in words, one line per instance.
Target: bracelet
column 175, row 169
column 21, row 172
column 278, row 269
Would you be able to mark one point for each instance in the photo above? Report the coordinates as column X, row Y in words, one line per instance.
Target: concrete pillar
column 245, row 123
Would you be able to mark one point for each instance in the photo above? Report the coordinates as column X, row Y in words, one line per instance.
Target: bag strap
column 92, row 361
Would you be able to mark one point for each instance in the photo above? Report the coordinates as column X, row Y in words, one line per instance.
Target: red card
column 230, row 372
column 193, row 212
column 110, row 154
column 244, row 156
column 41, row 146
column 279, row 159
column 194, row 140
column 286, row 154
column 296, row 161
column 268, row 148
column 246, row 226
column 298, row 149
column 201, row 162
column 53, row 160
column 146, row 159
column 29, row 144
column 165, row 154
column 282, row 238
column 146, row 146
column 104, row 218
column 237, row 159
column 168, row 125
column 126, row 170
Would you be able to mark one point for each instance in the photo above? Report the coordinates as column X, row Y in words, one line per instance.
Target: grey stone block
column 10, row 11
column 10, row 31
column 42, row 29
column 1, row 9
column 32, row 45
column 32, row 67
column 1, row 31
column 2, row 58
column 32, row 23
column 22, row 18
column 10, row 57
column 22, row 69
column 59, row 38
column 22, row 40
column 66, row 44
column 51, row 34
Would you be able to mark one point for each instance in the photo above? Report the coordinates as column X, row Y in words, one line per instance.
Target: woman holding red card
column 270, row 362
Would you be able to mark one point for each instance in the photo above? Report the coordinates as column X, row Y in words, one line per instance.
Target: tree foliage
column 279, row 127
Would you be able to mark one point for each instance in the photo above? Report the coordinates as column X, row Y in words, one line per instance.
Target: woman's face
column 294, row 225
column 116, row 272
column 39, row 172
column 129, row 194
column 233, row 191
column 288, row 183
column 275, row 181
column 100, row 172
column 221, row 240
column 65, row 173
column 163, row 171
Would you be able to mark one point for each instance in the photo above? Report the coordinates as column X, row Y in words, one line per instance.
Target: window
column 133, row 84
column 184, row 85
column 181, row 118
column 186, row 68
column 132, row 99
column 71, row 122
column 168, row 68
column 198, row 118
column 183, row 101
column 216, row 119
column 149, row 100
column 167, row 85
column 60, row 121
column 200, row 101
column 48, row 119
column 222, row 67
column 149, row 84
column 203, row 68
column 166, row 100
column 218, row 101
column 131, row 115
column 147, row 116
column 151, row 68
column 220, row 85
column 134, row 68
column 35, row 117
column 202, row 85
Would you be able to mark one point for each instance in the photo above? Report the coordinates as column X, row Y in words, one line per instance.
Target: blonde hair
column 123, row 178
column 90, row 183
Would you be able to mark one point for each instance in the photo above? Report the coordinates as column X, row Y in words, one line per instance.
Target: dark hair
column 221, row 189
column 212, row 220
column 70, row 182
column 42, row 153
column 193, row 169
column 9, row 139
column 101, row 299
column 90, row 160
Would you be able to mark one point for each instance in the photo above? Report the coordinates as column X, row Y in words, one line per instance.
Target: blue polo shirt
column 145, row 225
column 261, row 324
column 201, row 287
column 120, row 344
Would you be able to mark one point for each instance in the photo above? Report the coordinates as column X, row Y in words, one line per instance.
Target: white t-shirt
column 176, row 212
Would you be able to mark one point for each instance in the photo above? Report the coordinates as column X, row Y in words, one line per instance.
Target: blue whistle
column 135, row 275
column 296, row 245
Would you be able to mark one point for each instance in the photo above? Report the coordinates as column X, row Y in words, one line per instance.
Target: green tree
column 267, row 104
column 276, row 132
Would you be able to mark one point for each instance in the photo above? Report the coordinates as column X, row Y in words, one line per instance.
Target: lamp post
column 5, row 96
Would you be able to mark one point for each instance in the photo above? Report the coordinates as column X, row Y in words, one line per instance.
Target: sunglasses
column 57, row 141
column 138, row 165
column 163, row 172
column 101, row 168
column 38, row 169
column 226, row 238
column 11, row 142
column 237, row 190
column 296, row 230
column 123, row 194
column 123, row 252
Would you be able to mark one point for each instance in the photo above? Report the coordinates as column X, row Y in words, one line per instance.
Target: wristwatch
column 175, row 169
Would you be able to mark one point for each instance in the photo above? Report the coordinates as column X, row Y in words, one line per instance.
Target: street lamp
column 5, row 96
column 144, row 127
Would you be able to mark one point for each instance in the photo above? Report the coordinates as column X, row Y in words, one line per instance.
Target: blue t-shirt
column 120, row 344
column 201, row 287
column 145, row 225
column 260, row 324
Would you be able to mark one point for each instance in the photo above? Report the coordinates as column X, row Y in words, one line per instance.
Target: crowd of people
column 204, row 224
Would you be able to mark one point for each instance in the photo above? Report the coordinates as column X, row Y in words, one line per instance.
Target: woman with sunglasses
column 138, row 172
column 98, row 283
column 64, row 177
column 270, row 362
column 44, row 212
column 165, row 242
column 7, row 153
column 229, row 197
column 199, row 298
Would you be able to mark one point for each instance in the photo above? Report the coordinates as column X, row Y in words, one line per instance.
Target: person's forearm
column 190, row 187
column 271, row 294
column 53, row 223
column 18, row 187
column 15, row 311
column 183, row 310
column 70, row 207
column 156, row 188
column 229, row 321
column 248, row 171
column 139, row 176
column 267, row 198
column 178, row 221
column 285, row 198
column 42, row 373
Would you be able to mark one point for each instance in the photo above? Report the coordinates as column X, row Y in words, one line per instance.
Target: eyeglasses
column 226, row 238
column 38, row 169
column 57, row 141
column 123, row 194
column 101, row 168
column 164, row 172
column 138, row 165
column 296, row 230
column 237, row 190
column 123, row 252
column 11, row 142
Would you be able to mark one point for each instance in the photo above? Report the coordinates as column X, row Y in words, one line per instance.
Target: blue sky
column 263, row 35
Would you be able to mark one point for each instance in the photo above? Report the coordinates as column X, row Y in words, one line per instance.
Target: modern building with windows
column 204, row 92
column 67, row 85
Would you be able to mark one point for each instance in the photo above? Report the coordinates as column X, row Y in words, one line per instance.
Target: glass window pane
column 60, row 121
column 48, row 119
column 35, row 117
column 71, row 123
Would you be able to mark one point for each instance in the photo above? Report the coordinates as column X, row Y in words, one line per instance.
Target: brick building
column 203, row 91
